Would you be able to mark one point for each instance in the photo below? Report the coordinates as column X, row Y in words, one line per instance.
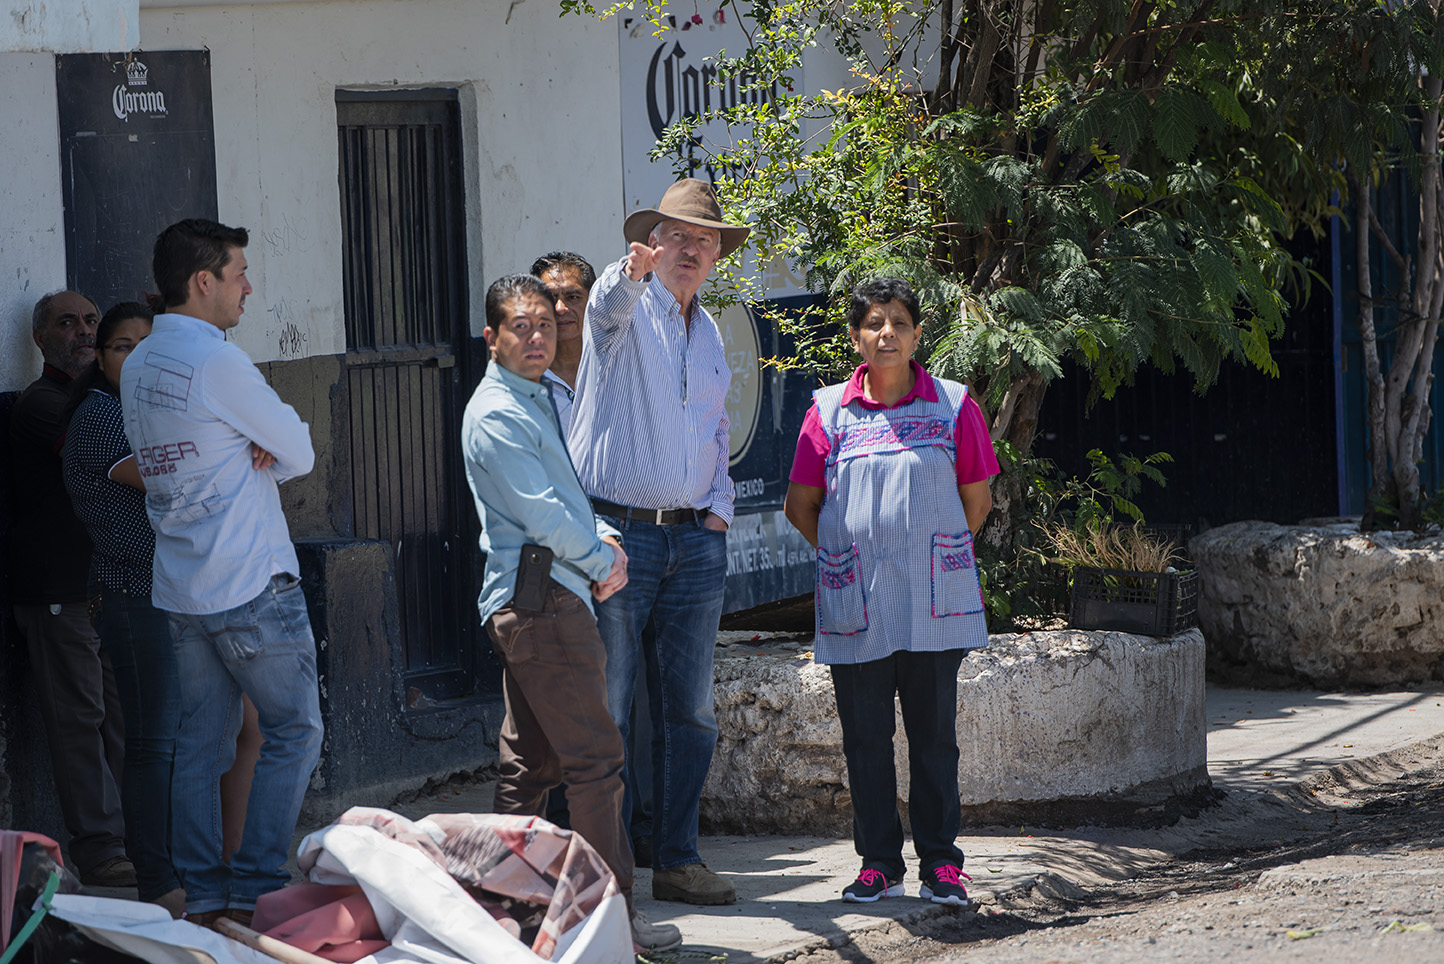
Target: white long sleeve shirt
column 193, row 404
column 649, row 425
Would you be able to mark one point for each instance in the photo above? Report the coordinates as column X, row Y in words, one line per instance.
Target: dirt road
column 1346, row 870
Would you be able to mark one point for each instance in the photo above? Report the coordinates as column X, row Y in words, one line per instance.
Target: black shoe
column 114, row 872
column 942, row 885
column 871, row 885
column 642, row 851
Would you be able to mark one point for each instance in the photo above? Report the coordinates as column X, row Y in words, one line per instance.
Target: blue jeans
column 265, row 649
column 136, row 637
column 666, row 619
column 926, row 684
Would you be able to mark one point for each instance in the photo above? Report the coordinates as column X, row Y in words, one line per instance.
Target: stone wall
column 1322, row 605
column 1057, row 727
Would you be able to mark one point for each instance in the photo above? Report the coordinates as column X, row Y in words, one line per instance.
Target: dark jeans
column 927, row 686
column 81, row 711
column 665, row 619
column 136, row 637
column 557, row 726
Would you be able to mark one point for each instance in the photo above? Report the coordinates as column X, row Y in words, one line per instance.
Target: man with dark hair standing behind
column 651, row 442
column 569, row 279
column 547, row 556
column 213, row 442
column 49, row 558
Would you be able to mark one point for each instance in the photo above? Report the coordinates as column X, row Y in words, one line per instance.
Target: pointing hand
column 642, row 260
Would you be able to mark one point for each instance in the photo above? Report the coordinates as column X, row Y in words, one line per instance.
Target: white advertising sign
column 670, row 76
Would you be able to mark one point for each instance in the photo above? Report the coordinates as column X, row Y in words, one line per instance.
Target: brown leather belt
column 658, row 517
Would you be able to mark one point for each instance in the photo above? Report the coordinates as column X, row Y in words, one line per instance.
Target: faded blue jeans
column 265, row 649
column 666, row 618
column 136, row 637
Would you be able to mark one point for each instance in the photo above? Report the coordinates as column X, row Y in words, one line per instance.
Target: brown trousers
column 557, row 727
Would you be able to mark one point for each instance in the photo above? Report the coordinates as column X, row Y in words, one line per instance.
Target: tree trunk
column 1017, row 423
column 1418, row 371
column 1373, row 376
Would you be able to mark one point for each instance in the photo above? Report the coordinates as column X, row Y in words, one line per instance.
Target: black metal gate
column 406, row 308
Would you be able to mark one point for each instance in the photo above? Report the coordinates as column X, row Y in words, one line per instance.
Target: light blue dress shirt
column 526, row 490
column 649, row 424
column 193, row 404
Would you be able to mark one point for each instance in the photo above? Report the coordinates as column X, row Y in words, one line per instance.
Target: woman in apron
column 889, row 483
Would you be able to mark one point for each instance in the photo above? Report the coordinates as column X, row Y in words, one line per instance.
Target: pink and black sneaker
column 870, row 886
column 944, row 885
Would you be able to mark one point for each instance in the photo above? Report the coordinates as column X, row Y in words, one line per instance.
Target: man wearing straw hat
column 650, row 441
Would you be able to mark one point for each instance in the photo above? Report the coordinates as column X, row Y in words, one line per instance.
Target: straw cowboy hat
column 692, row 201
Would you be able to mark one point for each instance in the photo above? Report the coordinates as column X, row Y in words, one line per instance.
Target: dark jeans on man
column 83, row 724
column 136, row 637
column 927, row 686
column 557, row 726
column 665, row 619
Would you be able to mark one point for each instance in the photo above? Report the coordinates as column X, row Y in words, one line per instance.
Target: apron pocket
column 841, row 604
column 955, row 576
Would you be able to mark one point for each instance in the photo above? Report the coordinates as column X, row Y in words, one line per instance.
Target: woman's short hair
column 880, row 291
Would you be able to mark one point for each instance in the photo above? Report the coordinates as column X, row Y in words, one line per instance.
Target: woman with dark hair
column 108, row 494
column 889, row 483
column 107, row 491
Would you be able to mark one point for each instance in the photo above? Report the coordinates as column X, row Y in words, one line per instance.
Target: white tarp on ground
column 426, row 915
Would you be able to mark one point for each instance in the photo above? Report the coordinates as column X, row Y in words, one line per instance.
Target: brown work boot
column 115, row 872
column 692, row 884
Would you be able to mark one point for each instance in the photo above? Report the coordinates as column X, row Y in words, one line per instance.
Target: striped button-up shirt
column 649, row 425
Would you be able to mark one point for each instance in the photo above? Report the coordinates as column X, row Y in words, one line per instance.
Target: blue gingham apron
column 895, row 565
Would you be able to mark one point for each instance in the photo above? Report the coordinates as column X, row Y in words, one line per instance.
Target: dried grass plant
column 1106, row 545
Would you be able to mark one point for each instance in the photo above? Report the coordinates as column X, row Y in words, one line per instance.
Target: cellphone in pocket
column 533, row 575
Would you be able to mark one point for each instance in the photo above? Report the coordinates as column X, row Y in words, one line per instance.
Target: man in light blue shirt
column 529, row 501
column 651, row 442
column 213, row 442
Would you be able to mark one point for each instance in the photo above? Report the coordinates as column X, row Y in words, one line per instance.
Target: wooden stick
column 269, row 946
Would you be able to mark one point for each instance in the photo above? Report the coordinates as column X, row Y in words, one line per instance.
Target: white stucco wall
column 32, row 217
column 539, row 99
column 69, row 26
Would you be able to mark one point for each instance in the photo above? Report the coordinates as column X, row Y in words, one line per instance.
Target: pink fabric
column 12, row 851
column 975, row 459
column 335, row 923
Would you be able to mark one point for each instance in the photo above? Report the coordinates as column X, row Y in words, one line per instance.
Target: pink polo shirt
column 975, row 459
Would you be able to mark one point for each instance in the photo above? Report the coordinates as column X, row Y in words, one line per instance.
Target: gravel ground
column 1359, row 876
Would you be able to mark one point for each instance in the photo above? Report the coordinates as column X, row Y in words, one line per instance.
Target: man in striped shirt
column 649, row 438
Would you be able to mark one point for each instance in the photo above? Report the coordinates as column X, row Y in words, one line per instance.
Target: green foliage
column 1073, row 215
column 1021, row 585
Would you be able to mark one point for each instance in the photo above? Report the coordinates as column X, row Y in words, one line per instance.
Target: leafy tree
column 1367, row 96
column 1106, row 181
column 1033, row 166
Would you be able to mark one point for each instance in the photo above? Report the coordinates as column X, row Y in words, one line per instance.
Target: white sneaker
column 647, row 936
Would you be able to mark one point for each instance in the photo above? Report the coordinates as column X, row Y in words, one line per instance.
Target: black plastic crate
column 1176, row 532
column 1146, row 603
